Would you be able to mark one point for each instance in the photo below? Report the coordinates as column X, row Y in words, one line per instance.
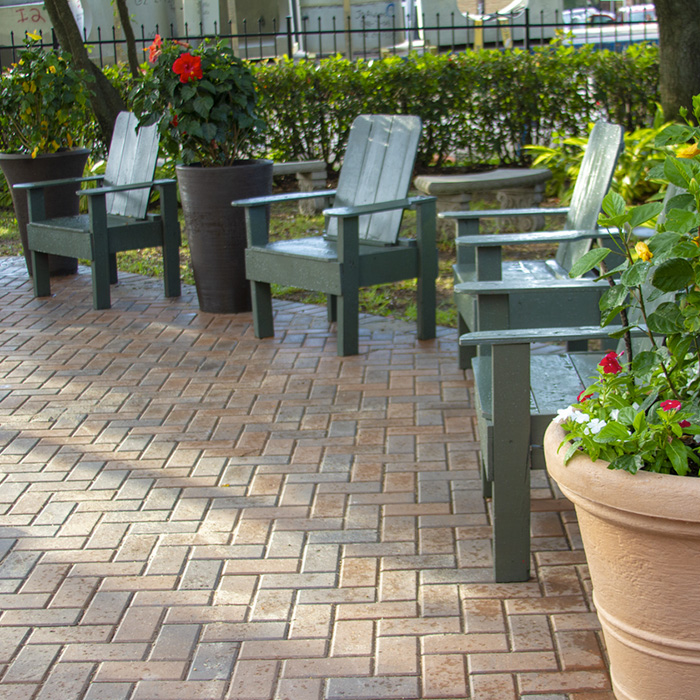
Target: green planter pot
column 216, row 231
column 60, row 201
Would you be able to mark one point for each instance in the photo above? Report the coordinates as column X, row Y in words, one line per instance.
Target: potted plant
column 45, row 118
column 627, row 452
column 204, row 100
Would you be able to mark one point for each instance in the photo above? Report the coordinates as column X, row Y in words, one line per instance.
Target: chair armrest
column 345, row 212
column 98, row 191
column 539, row 335
column 486, row 213
column 56, row 183
column 494, row 287
column 501, row 239
column 275, row 198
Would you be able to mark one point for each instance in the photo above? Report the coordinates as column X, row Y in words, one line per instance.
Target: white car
column 632, row 24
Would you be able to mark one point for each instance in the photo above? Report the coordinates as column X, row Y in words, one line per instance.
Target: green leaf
column 676, row 452
column 589, row 261
column 666, row 319
column 635, row 274
column 628, row 463
column 614, row 205
column 673, row 134
column 613, row 297
column 644, row 362
column 678, row 171
column 673, row 275
column 612, row 432
column 645, row 212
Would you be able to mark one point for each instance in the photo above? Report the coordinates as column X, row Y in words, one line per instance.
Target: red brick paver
column 189, row 513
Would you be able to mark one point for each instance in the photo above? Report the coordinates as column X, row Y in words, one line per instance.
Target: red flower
column 581, row 398
column 188, row 67
column 684, row 423
column 174, row 120
column 610, row 363
column 670, row 405
column 154, row 48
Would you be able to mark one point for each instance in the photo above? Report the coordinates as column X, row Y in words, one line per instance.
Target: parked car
column 586, row 15
column 632, row 24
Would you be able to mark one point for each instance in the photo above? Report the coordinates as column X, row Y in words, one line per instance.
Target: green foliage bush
column 484, row 105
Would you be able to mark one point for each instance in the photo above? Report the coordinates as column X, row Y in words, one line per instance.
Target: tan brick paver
column 189, row 513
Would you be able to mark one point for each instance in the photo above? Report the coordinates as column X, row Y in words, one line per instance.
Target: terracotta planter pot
column 216, row 231
column 641, row 534
column 60, row 201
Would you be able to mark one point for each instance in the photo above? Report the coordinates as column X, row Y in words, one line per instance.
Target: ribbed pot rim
column 6, row 155
column 660, row 496
column 235, row 164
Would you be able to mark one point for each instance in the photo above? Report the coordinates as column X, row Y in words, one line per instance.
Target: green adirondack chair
column 116, row 219
column 479, row 257
column 517, row 394
column 361, row 246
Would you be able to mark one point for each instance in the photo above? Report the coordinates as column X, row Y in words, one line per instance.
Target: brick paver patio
column 191, row 513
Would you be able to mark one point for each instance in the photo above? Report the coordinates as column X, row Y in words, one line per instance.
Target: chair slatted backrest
column 592, row 184
column 132, row 158
column 377, row 167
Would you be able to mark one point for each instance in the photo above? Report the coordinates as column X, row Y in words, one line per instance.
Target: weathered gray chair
column 361, row 246
column 479, row 257
column 116, row 219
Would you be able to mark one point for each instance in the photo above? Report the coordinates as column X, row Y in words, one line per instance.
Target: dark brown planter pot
column 216, row 230
column 59, row 201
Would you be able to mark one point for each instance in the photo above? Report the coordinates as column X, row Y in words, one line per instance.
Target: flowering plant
column 643, row 409
column 203, row 98
column 45, row 101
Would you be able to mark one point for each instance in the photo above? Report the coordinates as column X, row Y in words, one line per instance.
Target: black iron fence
column 372, row 36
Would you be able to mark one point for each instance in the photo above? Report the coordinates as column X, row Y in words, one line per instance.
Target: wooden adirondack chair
column 479, row 257
column 361, row 246
column 116, row 219
column 517, row 394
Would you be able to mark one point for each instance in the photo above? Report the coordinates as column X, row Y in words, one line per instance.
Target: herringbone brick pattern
column 189, row 513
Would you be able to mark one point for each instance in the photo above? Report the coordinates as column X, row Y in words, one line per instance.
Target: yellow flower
column 52, row 69
column 643, row 251
column 69, row 140
column 688, row 151
column 34, row 35
column 35, row 151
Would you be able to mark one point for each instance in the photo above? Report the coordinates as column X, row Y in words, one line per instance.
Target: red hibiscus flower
column 155, row 48
column 188, row 67
column 611, row 364
column 670, row 405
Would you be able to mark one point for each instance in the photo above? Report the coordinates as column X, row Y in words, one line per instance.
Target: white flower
column 565, row 414
column 594, row 427
column 614, row 413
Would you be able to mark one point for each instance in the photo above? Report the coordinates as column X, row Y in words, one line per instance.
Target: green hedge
column 484, row 106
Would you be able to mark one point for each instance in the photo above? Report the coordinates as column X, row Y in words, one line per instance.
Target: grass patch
column 395, row 300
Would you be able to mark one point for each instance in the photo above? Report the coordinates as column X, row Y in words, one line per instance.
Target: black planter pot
column 59, row 201
column 216, row 231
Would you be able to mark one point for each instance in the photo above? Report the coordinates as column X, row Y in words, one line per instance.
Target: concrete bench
column 514, row 188
column 311, row 175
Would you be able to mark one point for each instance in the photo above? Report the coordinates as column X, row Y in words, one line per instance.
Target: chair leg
column 465, row 353
column 332, row 307
column 171, row 270
column 426, row 216
column 263, row 324
column 348, row 322
column 41, row 279
column 100, row 282
column 511, row 469
column 113, row 274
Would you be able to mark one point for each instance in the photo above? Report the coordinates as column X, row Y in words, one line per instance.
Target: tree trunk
column 129, row 37
column 679, row 54
column 106, row 101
